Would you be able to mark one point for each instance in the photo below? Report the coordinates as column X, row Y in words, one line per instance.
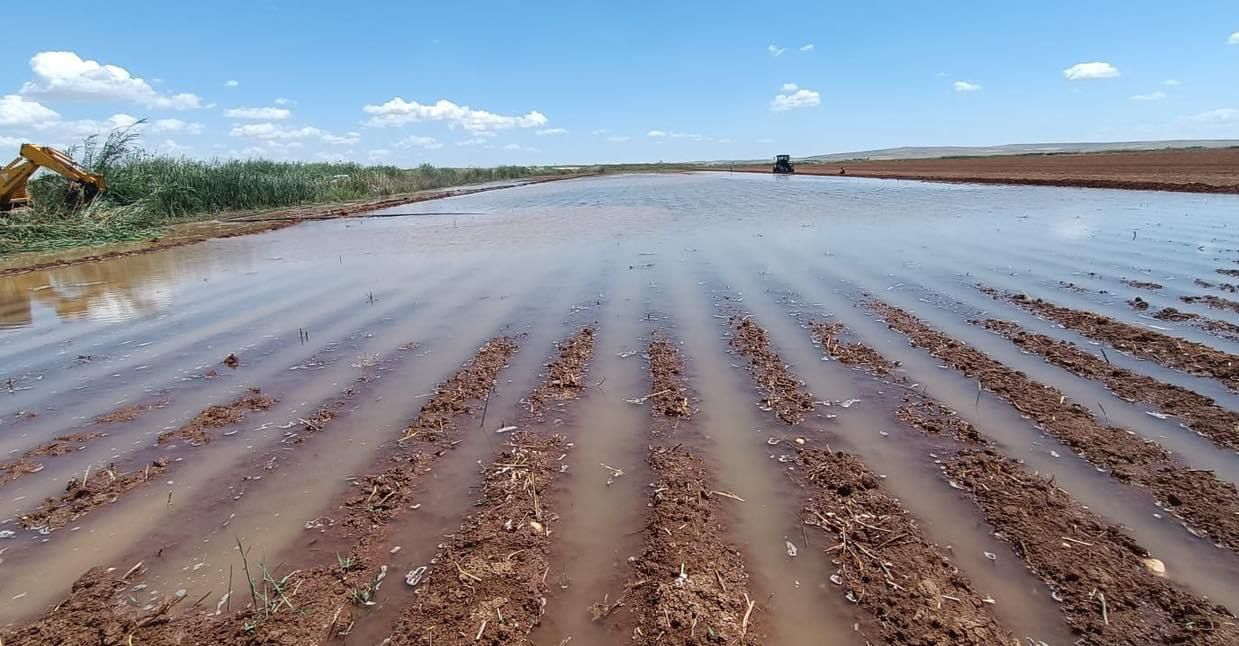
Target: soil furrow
column 1178, row 354
column 1216, row 302
column 885, row 563
column 217, row 416
column 1075, row 552
column 488, row 583
column 1200, row 413
column 782, row 392
column 307, row 606
column 1203, row 502
column 689, row 585
column 62, row 445
column 566, row 374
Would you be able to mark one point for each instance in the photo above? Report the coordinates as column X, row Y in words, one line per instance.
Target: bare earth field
column 689, row 409
column 1202, row 171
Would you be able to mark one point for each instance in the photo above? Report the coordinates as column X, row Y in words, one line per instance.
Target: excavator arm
column 15, row 176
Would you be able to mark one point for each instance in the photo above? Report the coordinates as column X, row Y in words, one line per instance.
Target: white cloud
column 1094, row 70
column 791, row 100
column 528, row 149
column 618, row 138
column 258, row 114
column 231, row 83
column 273, row 131
column 11, row 142
column 808, row 47
column 65, row 76
column 1156, row 95
column 765, row 140
column 170, row 147
column 379, row 153
column 656, row 133
column 599, row 131
column 429, row 143
column 472, row 141
column 346, row 139
column 775, row 50
column 1171, row 82
column 398, row 112
column 1234, row 39
column 176, row 125
column 1220, row 115
column 965, row 86
column 551, row 131
column 19, row 111
column 282, row 101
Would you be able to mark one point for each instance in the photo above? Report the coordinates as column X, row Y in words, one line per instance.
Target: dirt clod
column 782, row 393
column 217, row 416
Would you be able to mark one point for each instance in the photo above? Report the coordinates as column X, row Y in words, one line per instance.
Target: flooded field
column 687, row 409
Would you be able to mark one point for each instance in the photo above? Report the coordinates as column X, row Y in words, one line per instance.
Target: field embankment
column 1191, row 170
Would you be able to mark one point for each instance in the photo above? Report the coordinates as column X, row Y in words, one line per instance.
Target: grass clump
column 146, row 192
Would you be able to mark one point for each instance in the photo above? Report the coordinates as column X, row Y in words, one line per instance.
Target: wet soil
column 1215, row 302
column 1200, row 413
column 782, row 392
column 217, row 416
column 459, row 394
column 1140, row 284
column 61, row 445
column 1179, row 354
column 566, row 374
column 129, row 412
column 829, row 335
column 1106, row 588
column 95, row 489
column 1205, row 503
column 690, row 584
column 1075, row 552
column 886, row 566
column 667, row 380
column 1138, row 303
column 1216, row 327
column 488, row 584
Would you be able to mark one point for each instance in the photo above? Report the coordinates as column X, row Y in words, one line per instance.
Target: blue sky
column 486, row 83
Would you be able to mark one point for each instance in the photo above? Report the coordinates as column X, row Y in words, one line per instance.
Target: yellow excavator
column 15, row 176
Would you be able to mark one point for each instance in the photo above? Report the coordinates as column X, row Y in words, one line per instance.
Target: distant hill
column 930, row 152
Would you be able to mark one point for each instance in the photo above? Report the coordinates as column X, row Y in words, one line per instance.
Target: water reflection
column 112, row 291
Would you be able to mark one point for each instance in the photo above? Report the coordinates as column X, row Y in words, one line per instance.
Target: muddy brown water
column 637, row 255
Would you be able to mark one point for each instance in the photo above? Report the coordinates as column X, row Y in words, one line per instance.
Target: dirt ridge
column 1171, row 352
column 782, row 392
column 1200, row 413
column 1205, row 503
column 1074, row 551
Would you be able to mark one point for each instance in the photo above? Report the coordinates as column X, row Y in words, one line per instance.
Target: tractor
column 783, row 165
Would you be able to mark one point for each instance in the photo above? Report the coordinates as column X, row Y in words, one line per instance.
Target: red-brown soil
column 1199, row 413
column 566, row 374
column 458, row 395
column 667, row 382
column 1066, row 545
column 1203, row 171
column 1108, row 595
column 231, row 360
column 829, row 336
column 97, row 488
column 782, row 392
column 689, row 585
column 129, row 412
column 217, row 416
column 885, row 564
column 489, row 583
column 1179, row 354
column 62, row 445
column 1140, row 284
column 1216, row 302
column 1193, row 495
column 1216, row 327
